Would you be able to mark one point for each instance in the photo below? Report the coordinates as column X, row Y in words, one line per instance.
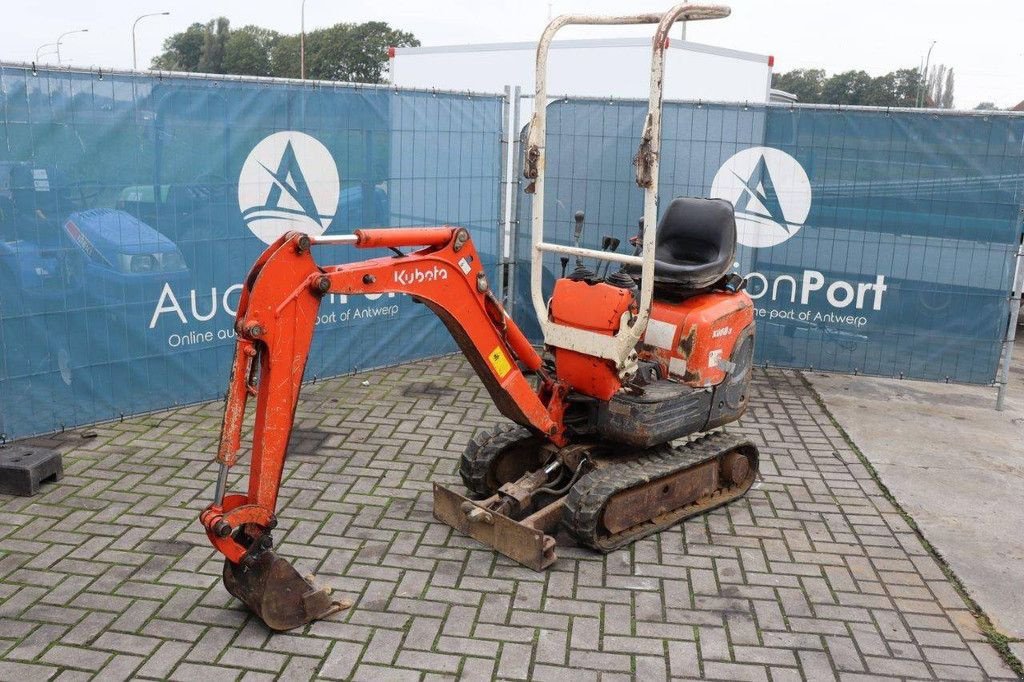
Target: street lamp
column 61, row 37
column 40, row 50
column 302, row 42
column 924, row 76
column 135, row 59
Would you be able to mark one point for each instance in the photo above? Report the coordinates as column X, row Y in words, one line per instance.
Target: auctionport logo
column 288, row 182
column 771, row 194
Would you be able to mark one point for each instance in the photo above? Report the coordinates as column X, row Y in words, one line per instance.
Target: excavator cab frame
column 619, row 348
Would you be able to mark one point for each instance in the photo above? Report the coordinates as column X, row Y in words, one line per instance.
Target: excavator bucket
column 274, row 591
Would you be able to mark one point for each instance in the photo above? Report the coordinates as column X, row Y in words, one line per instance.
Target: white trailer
column 616, row 67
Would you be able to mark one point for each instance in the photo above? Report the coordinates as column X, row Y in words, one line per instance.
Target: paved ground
column 812, row 576
column 957, row 466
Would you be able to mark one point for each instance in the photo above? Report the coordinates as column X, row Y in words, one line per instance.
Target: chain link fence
column 132, row 206
column 874, row 241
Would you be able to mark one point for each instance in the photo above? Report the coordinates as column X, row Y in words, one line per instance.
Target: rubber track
column 481, row 452
column 587, row 499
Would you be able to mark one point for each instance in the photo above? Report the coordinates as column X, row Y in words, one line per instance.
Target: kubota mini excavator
column 658, row 351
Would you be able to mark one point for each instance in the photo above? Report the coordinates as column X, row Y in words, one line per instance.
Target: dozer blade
column 274, row 591
column 522, row 541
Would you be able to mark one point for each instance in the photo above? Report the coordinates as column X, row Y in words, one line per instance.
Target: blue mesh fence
column 878, row 242
column 131, row 208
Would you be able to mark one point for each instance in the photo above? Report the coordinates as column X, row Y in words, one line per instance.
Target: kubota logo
column 407, row 277
column 771, row 194
column 288, row 182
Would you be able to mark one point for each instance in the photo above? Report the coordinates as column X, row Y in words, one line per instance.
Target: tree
column 806, row 84
column 905, row 85
column 248, row 51
column 345, row 52
column 353, row 52
column 850, row 87
column 940, row 87
column 895, row 89
column 947, row 95
column 368, row 63
column 986, row 106
column 214, row 43
column 284, row 58
column 182, row 51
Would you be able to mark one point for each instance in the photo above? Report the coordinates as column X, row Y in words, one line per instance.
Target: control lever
column 564, row 260
column 577, row 234
column 638, row 240
column 608, row 243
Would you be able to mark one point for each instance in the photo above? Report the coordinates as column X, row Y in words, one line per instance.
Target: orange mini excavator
column 656, row 352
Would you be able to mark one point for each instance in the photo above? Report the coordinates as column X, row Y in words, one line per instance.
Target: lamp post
column 39, row 51
column 135, row 58
column 302, row 42
column 924, row 76
column 61, row 37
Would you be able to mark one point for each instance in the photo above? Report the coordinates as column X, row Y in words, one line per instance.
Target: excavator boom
column 276, row 316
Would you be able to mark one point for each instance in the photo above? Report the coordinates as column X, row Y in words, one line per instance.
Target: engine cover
column 694, row 339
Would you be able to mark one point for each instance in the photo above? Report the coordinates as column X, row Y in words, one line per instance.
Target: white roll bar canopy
column 618, row 348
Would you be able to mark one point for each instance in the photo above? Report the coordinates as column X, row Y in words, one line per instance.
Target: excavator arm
column 276, row 317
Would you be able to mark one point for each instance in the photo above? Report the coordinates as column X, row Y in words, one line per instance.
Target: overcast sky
column 982, row 40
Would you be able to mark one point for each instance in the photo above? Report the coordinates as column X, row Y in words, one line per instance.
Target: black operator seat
column 694, row 245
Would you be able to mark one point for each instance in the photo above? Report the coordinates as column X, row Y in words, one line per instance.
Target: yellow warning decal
column 499, row 362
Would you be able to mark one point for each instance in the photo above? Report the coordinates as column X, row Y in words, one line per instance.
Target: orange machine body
column 693, row 339
column 597, row 308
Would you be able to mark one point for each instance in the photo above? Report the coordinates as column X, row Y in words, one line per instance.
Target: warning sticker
column 499, row 362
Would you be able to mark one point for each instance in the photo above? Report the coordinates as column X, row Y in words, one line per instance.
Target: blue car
column 56, row 253
column 76, row 285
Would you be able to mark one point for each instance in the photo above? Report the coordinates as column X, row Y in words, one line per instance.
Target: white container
column 617, row 67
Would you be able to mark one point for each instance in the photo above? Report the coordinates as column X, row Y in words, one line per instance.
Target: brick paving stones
column 813, row 575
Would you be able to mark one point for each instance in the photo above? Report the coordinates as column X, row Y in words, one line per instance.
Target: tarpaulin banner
column 873, row 241
column 132, row 206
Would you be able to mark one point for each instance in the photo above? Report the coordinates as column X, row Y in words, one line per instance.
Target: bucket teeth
column 274, row 591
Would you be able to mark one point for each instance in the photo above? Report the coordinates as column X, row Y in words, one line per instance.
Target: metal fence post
column 502, row 224
column 1011, row 330
column 512, row 234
